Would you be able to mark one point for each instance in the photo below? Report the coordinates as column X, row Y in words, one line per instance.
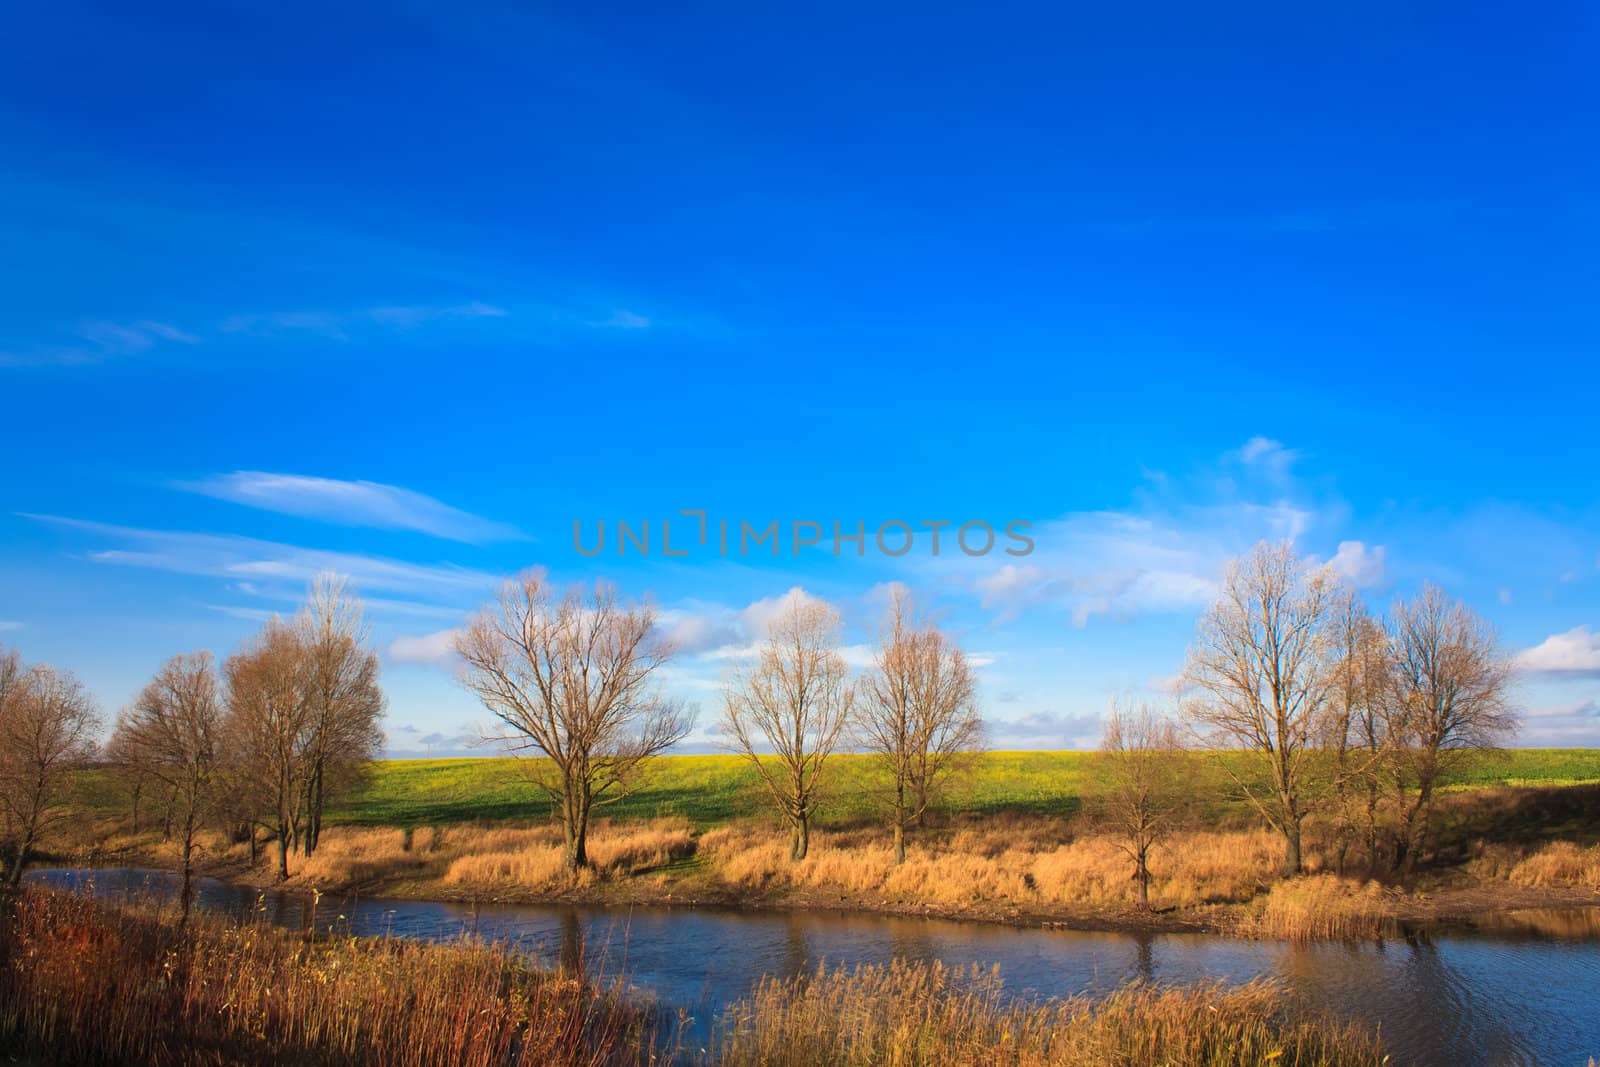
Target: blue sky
column 407, row 290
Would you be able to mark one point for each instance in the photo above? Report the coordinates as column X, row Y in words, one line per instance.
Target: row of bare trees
column 573, row 678
column 915, row 711
column 263, row 743
column 1313, row 707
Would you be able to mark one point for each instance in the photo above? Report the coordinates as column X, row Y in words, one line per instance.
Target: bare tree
column 127, row 772
column 1259, row 664
column 796, row 700
column 917, row 713
column 1449, row 695
column 47, row 727
column 1137, row 784
column 268, row 721
column 343, row 696
column 574, row 681
column 173, row 732
column 1355, row 723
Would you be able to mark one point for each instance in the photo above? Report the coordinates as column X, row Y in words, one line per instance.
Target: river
column 1516, row 988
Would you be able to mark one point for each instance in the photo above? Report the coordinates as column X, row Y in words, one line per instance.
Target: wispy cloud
column 352, row 503
column 340, row 324
column 97, row 340
column 248, row 559
column 622, row 319
column 94, row 341
column 1574, row 654
column 7, row 624
column 133, row 336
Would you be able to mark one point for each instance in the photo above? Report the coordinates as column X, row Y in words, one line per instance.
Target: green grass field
column 708, row 790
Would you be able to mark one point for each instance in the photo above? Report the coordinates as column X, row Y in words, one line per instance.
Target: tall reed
column 930, row 1015
column 83, row 984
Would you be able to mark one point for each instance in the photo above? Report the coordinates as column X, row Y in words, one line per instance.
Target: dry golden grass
column 348, row 856
column 500, row 859
column 1556, row 865
column 1323, row 907
column 972, row 866
column 912, row 1015
column 82, row 984
column 1560, row 863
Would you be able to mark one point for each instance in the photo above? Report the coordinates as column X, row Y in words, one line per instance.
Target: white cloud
column 1162, row 554
column 464, row 741
column 1265, row 452
column 9, row 625
column 236, row 558
column 357, row 503
column 1577, row 709
column 1561, row 725
column 859, row 657
column 759, row 616
column 1053, row 729
column 437, row 649
column 718, row 633
column 1362, row 565
column 1119, row 564
column 699, row 627
column 1574, row 654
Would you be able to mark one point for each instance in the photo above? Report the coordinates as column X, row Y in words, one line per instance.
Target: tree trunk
column 1292, row 861
column 21, row 860
column 1144, row 880
column 800, row 839
column 283, row 854
column 900, row 822
column 186, row 895
column 313, row 810
column 577, row 827
column 1409, row 845
column 922, row 803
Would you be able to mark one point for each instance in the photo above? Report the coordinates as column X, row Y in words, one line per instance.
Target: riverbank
column 1014, row 871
